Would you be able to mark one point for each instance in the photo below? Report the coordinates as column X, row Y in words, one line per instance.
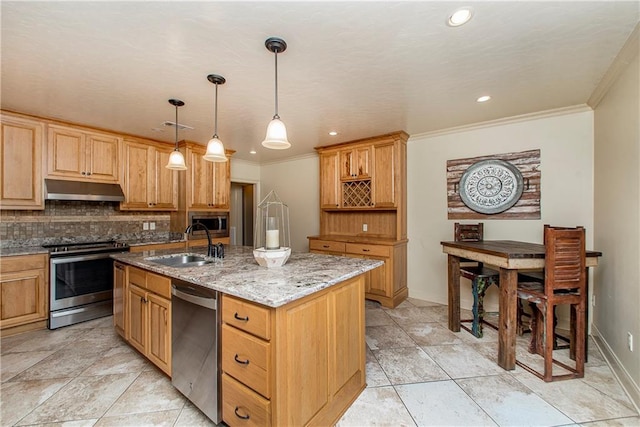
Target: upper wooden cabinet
column 147, row 183
column 329, row 180
column 82, row 155
column 208, row 185
column 355, row 163
column 21, row 163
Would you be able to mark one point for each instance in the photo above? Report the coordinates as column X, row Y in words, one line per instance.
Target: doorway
column 241, row 215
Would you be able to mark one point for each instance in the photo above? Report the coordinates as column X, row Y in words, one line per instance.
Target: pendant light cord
column 276, row 116
column 215, row 106
column 176, row 128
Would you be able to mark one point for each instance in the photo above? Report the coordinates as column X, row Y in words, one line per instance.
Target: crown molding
column 506, row 120
column 628, row 52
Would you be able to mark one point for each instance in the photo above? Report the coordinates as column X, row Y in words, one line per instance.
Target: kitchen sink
column 181, row 260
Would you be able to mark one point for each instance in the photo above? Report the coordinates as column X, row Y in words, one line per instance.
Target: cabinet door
column 221, row 185
column 384, row 175
column 138, row 175
column 21, row 164
column 159, row 321
column 165, row 181
column 200, row 189
column 355, row 163
column 119, row 282
column 66, row 154
column 103, row 153
column 137, row 317
column 22, row 297
column 329, row 181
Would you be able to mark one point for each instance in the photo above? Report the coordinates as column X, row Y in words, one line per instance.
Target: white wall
column 296, row 182
column 617, row 219
column 565, row 140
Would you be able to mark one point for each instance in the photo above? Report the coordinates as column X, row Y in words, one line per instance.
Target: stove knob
column 65, row 249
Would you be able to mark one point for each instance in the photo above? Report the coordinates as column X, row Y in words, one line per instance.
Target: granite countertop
column 238, row 274
column 22, row 250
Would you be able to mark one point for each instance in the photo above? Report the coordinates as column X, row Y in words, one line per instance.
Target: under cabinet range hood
column 88, row 191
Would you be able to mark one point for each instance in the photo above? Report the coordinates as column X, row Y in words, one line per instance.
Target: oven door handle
column 80, row 257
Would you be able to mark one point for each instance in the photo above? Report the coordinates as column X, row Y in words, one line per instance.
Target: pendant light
column 276, row 131
column 215, row 149
column 176, row 159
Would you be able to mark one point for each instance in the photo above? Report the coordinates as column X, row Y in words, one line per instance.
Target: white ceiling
column 360, row 68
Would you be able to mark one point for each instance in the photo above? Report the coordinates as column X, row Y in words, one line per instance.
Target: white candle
column 273, row 239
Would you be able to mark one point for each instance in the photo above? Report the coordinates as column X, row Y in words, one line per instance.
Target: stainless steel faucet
column 210, row 251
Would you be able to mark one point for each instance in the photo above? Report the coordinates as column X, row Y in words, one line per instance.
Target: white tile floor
column 418, row 373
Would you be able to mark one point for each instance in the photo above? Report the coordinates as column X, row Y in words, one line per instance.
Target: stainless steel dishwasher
column 194, row 346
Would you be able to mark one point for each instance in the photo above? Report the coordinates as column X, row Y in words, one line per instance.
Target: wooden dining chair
column 564, row 283
column 480, row 276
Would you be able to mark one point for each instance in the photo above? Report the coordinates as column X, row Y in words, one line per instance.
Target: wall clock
column 491, row 186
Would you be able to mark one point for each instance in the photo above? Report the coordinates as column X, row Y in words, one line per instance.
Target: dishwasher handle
column 185, row 294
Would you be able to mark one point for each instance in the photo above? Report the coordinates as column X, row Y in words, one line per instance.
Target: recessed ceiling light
column 252, row 152
column 460, row 17
column 333, row 133
column 484, row 98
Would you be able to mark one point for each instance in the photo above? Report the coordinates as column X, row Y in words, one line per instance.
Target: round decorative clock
column 491, row 186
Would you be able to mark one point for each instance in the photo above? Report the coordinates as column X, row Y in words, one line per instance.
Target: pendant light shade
column 276, row 137
column 176, row 159
column 215, row 149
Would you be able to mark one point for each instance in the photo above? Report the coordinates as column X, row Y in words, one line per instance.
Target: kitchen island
column 292, row 349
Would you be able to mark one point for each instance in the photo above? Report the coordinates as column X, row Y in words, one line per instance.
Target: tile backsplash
column 75, row 221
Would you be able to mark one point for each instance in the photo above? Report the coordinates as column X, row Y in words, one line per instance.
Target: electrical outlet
column 152, row 225
column 364, row 227
column 630, row 341
column 145, row 225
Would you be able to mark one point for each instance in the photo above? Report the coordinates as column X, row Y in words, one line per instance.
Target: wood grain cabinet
column 119, row 297
column 355, row 163
column 23, row 292
column 209, row 184
column 386, row 284
column 329, row 180
column 148, row 316
column 82, row 155
column 363, row 209
column 21, row 163
column 299, row 364
column 147, row 183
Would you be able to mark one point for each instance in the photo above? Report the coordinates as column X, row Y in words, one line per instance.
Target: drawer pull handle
column 243, row 319
column 366, row 250
column 325, row 246
column 242, row 417
column 244, row 362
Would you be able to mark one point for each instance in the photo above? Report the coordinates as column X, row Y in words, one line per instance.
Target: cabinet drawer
column 374, row 250
column 247, row 359
column 247, row 316
column 138, row 277
column 159, row 284
column 241, row 406
column 22, row 262
column 326, row 245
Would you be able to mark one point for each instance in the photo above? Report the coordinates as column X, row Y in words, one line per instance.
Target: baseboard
column 629, row 386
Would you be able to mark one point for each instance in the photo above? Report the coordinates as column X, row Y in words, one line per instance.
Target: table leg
column 453, row 284
column 508, row 319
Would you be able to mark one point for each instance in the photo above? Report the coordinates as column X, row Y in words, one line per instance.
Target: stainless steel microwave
column 216, row 222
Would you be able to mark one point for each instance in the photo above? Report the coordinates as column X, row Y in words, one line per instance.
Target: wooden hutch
column 363, row 209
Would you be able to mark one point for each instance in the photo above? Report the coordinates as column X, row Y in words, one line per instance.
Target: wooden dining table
column 510, row 257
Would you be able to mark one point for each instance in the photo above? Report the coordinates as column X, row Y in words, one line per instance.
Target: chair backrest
column 468, row 232
column 565, row 259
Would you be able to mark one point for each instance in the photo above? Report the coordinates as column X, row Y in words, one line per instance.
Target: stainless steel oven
column 81, row 281
column 216, row 222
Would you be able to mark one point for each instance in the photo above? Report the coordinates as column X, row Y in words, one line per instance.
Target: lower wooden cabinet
column 300, row 364
column 145, row 312
column 23, row 293
column 386, row 284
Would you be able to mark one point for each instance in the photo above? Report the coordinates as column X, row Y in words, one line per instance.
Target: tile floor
column 418, row 373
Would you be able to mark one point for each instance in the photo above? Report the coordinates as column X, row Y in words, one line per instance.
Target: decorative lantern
column 271, row 244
